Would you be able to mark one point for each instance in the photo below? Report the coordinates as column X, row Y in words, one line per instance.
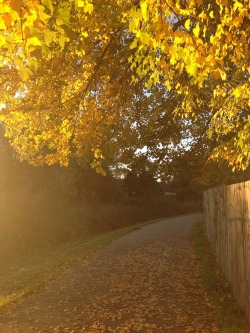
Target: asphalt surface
column 146, row 281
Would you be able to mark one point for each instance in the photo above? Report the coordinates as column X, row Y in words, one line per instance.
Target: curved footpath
column 146, row 281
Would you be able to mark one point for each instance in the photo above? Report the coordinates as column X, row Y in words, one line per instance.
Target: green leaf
column 42, row 15
column 49, row 36
column 48, row 4
column 33, row 64
column 62, row 40
column 64, row 16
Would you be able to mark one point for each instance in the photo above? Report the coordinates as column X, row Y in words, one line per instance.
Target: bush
column 40, row 208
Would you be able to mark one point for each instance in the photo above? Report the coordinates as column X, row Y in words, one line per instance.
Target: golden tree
column 70, row 70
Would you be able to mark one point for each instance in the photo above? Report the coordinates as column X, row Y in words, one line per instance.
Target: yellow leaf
column 192, row 68
column 133, row 13
column 130, row 58
column 168, row 85
column 134, row 44
column 132, row 26
column 84, row 34
column 237, row 93
column 211, row 14
column 223, row 74
column 18, row 62
column 88, row 8
column 24, row 73
column 204, row 31
column 80, row 3
column 2, row 40
column 237, row 5
column 33, row 41
column 2, row 24
column 49, row 36
column 202, row 15
column 174, row 54
column 145, row 37
column 149, row 84
column 4, row 9
column 196, row 30
column 200, row 79
column 213, row 39
column 42, row 15
column 144, row 9
column 187, row 24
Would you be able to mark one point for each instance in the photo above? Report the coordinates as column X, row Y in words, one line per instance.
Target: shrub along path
column 146, row 281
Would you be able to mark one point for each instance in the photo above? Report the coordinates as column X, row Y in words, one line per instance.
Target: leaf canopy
column 100, row 79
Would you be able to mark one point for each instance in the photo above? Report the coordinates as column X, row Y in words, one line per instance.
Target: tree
column 93, row 187
column 206, row 41
column 192, row 172
column 142, row 186
column 67, row 68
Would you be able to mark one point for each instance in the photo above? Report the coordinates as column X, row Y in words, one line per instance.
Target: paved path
column 147, row 281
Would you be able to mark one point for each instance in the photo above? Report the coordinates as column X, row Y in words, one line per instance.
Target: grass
column 230, row 317
column 25, row 274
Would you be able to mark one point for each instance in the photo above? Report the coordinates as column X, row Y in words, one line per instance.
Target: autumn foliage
column 85, row 78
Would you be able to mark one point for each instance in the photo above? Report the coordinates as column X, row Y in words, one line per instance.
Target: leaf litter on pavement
column 152, row 287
